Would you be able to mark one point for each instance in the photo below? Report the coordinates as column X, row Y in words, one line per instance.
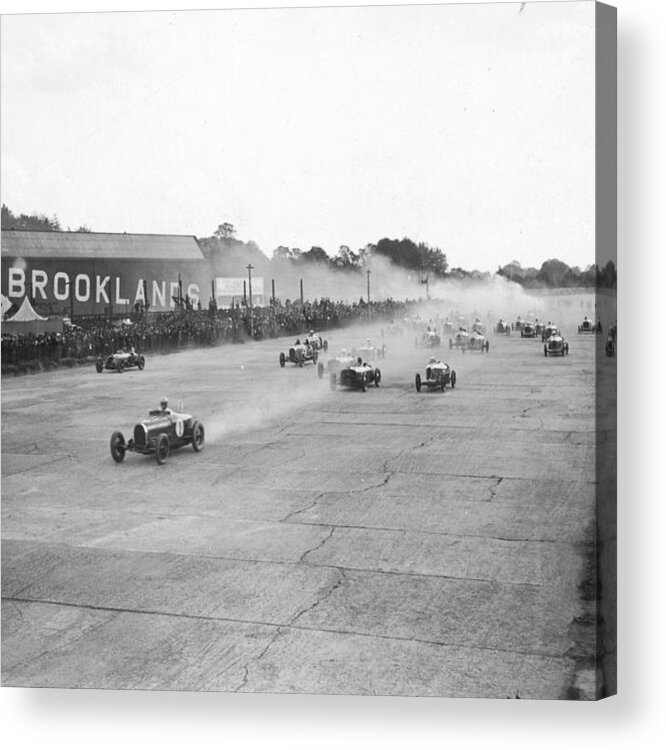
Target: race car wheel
column 364, row 383
column 320, row 370
column 325, row 345
column 118, row 447
column 141, row 362
column 545, row 351
column 282, row 359
column 487, row 346
column 99, row 365
column 417, row 382
column 453, row 379
column 378, row 377
column 162, row 449
column 121, row 366
column 315, row 356
column 332, row 381
column 197, row 436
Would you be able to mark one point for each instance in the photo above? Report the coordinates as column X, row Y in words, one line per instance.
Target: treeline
column 228, row 254
column 555, row 273
column 34, row 222
column 223, row 248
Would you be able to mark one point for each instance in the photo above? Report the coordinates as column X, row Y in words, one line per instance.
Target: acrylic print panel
column 403, row 412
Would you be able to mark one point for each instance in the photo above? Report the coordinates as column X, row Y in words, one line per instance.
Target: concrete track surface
column 386, row 543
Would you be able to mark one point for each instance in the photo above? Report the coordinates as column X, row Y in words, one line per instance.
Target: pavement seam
column 283, row 626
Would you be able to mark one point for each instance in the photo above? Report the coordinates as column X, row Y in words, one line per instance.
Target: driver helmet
column 164, row 402
column 298, row 341
column 432, row 361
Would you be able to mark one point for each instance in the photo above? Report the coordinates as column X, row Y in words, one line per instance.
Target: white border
column 59, row 718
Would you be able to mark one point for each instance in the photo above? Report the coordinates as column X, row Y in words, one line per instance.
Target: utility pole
column 301, row 292
column 273, row 292
column 249, row 286
column 368, row 274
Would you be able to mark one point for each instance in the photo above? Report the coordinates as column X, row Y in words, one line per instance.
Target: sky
column 468, row 127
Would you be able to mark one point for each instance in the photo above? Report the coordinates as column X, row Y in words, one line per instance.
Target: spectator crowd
column 94, row 336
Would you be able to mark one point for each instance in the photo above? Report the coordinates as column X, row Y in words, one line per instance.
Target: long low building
column 91, row 273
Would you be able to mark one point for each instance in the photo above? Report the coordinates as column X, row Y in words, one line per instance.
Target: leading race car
column 340, row 362
column 299, row 354
column 120, row 360
column 392, row 329
column 556, row 346
column 437, row 375
column 359, row 375
column 159, row 434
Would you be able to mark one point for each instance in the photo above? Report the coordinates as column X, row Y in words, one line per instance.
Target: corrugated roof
column 28, row 244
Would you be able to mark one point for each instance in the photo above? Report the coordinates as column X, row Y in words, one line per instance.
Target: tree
column 314, row 255
column 225, row 231
column 38, row 222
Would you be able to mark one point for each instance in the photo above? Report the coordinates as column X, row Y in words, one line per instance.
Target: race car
column 343, row 360
column 392, row 329
column 550, row 329
column 120, row 360
column 502, row 328
column 459, row 340
column 437, row 375
column 315, row 341
column 369, row 351
column 528, row 331
column 556, row 346
column 163, row 431
column 587, row 326
column 429, row 339
column 448, row 326
column 478, row 327
column 610, row 346
column 476, row 342
column 359, row 375
column 299, row 354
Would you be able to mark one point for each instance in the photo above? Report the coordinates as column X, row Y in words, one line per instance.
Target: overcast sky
column 467, row 127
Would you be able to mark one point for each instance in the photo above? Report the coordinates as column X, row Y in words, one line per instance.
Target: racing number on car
column 179, row 428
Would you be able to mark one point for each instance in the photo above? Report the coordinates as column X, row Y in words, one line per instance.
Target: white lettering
column 39, row 280
column 173, row 292
column 85, row 295
column 120, row 300
column 60, row 276
column 193, row 294
column 140, row 296
column 159, row 293
column 16, row 282
column 99, row 289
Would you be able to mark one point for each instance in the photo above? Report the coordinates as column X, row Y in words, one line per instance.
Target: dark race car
column 587, row 326
column 359, row 375
column 502, row 328
column 120, row 361
column 343, row 360
column 610, row 346
column 528, row 331
column 437, row 375
column 159, row 434
column 299, row 354
column 550, row 329
column 556, row 346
